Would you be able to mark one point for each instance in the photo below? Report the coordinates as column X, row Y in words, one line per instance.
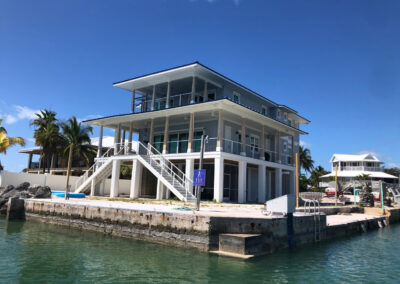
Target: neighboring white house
column 349, row 167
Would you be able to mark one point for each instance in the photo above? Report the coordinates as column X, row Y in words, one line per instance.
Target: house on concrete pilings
column 252, row 141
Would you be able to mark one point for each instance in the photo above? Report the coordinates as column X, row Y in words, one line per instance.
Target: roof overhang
column 224, row 104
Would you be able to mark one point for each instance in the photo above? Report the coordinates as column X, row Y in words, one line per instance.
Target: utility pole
column 204, row 138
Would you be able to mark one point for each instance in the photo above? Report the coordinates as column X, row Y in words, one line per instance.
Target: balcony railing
column 161, row 103
column 361, row 168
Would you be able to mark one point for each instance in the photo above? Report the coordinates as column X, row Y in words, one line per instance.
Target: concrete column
column 153, row 98
column 269, row 185
column 30, row 161
column 262, row 188
column 100, row 147
column 92, row 187
column 220, row 131
column 116, row 168
column 189, row 168
column 278, row 147
column 278, row 182
column 262, row 143
column 243, row 150
column 168, row 95
column 102, row 187
column 191, row 130
column 160, row 190
column 151, row 138
column 117, row 139
column 292, row 182
column 192, row 101
column 136, row 179
column 293, row 152
column 133, row 101
column 123, row 141
column 130, row 137
column 218, row 179
column 166, row 133
column 205, row 92
column 242, row 182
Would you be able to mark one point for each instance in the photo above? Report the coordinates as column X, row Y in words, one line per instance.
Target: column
column 136, row 179
column 168, row 95
column 262, row 172
column 205, row 92
column 191, row 130
column 92, row 187
column 151, row 138
column 189, row 168
column 166, row 130
column 153, row 98
column 292, row 176
column 262, row 143
column 220, row 131
column 278, row 159
column 242, row 182
column 133, row 101
column 278, row 182
column 130, row 137
column 269, row 186
column 30, row 160
column 123, row 142
column 100, row 147
column 160, row 187
column 192, row 101
column 116, row 167
column 102, row 187
column 218, row 179
column 243, row 150
column 293, row 152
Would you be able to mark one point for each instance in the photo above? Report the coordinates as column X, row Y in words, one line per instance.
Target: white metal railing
column 161, row 103
column 157, row 159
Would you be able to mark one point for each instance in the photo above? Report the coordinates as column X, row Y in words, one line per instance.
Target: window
column 254, row 143
column 263, row 110
column 211, row 95
column 278, row 114
column 285, row 116
column 236, row 97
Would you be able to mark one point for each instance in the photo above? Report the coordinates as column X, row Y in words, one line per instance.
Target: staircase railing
column 158, row 159
column 97, row 164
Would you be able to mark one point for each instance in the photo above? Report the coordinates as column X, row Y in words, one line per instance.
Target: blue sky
column 336, row 62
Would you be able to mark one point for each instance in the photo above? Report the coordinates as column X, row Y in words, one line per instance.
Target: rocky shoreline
column 22, row 191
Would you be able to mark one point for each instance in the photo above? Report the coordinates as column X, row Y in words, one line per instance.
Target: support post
column 159, row 193
column 133, row 101
column 278, row 182
column 262, row 143
column 191, row 132
column 279, row 147
column 205, row 92
column 123, row 142
column 136, row 179
column 192, row 101
column 292, row 162
column 30, row 161
column 189, row 169
column 166, row 131
column 242, row 182
column 262, row 172
column 130, row 137
column 116, row 167
column 168, row 95
column 92, row 187
column 153, row 98
column 151, row 138
column 243, row 148
column 100, row 147
column 220, row 131
column 297, row 180
column 218, row 179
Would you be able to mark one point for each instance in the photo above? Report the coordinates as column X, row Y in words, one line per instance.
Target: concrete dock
column 239, row 231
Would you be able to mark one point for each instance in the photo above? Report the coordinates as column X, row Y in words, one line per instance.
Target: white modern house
column 349, row 167
column 249, row 154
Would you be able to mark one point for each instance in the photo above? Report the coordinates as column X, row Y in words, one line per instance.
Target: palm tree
column 46, row 134
column 316, row 174
column 77, row 144
column 6, row 142
column 306, row 163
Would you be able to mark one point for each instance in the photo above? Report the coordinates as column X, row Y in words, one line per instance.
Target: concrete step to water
column 240, row 245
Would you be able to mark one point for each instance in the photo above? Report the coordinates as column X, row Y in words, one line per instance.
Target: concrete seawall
column 205, row 230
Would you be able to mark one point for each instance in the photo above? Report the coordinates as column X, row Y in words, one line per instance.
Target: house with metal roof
column 350, row 167
column 249, row 151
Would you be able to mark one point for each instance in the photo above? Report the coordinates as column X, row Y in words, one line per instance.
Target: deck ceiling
column 205, row 110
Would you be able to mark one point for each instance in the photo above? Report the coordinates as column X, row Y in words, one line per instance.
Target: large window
column 254, row 143
column 158, row 142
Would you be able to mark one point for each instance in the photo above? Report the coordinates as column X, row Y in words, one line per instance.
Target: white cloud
column 372, row 152
column 19, row 113
column 304, row 144
column 393, row 165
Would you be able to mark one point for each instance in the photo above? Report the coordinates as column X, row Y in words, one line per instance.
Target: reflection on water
column 36, row 252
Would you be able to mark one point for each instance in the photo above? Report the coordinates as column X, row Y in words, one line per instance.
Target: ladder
column 314, row 204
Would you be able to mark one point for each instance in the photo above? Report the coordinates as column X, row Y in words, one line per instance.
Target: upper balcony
column 195, row 84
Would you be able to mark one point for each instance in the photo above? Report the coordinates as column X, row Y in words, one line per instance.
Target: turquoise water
column 36, row 252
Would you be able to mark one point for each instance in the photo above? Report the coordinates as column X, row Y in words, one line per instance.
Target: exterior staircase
column 170, row 175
